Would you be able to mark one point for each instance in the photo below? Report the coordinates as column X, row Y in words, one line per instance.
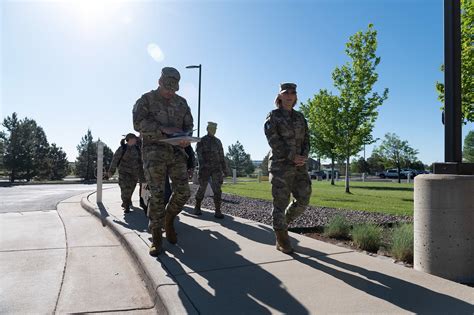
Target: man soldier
column 211, row 166
column 157, row 115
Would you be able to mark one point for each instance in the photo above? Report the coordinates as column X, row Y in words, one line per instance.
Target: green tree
column 59, row 162
column 376, row 163
column 86, row 162
column 360, row 165
column 264, row 165
column 2, row 152
column 467, row 63
column 87, row 157
column 26, row 152
column 395, row 152
column 240, row 160
column 357, row 103
column 468, row 150
column 322, row 114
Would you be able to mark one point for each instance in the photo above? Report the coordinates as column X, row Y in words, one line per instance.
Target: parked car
column 314, row 174
column 393, row 173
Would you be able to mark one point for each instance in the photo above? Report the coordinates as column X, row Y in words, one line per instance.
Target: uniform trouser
column 295, row 181
column 155, row 174
column 127, row 183
column 216, row 182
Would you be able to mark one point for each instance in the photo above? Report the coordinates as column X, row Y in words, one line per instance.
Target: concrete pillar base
column 444, row 226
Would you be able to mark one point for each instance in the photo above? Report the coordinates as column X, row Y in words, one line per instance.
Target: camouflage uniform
column 287, row 134
column 129, row 163
column 211, row 165
column 150, row 113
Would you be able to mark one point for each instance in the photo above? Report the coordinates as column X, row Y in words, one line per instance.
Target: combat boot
column 171, row 235
column 197, row 207
column 218, row 213
column 126, row 207
column 283, row 241
column 156, row 245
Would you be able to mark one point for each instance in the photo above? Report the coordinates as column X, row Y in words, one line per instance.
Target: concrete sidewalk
column 231, row 266
column 65, row 261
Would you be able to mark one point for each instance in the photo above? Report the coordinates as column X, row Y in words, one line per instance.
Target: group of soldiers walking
column 160, row 114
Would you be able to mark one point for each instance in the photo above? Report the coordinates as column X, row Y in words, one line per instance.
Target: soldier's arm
column 199, row 153
column 221, row 157
column 191, row 157
column 188, row 119
column 115, row 160
column 306, row 143
column 143, row 121
column 279, row 147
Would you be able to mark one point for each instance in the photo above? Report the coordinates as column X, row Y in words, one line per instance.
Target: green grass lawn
column 391, row 198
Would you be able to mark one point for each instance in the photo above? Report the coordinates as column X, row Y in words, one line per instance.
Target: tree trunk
column 332, row 170
column 347, row 175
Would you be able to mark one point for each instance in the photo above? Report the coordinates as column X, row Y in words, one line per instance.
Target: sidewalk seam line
column 65, row 262
column 30, row 249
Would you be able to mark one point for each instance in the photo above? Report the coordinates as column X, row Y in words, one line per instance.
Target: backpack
column 138, row 145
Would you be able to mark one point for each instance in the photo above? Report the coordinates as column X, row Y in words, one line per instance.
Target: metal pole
column 452, row 81
column 100, row 175
column 199, row 102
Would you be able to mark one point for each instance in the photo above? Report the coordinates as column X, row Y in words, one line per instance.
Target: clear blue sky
column 73, row 65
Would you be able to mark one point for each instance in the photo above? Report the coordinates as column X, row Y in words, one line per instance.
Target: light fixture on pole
column 199, row 96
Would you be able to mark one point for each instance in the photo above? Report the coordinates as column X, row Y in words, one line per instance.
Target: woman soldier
column 287, row 134
column 128, row 160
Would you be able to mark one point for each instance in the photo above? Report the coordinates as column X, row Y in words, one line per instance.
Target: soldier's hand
column 184, row 143
column 170, row 130
column 299, row 160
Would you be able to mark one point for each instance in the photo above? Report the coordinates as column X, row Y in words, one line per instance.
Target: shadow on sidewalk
column 409, row 296
column 238, row 286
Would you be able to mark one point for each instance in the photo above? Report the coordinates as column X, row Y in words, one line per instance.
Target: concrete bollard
column 234, row 176
column 408, row 178
column 363, row 177
column 100, row 166
column 443, row 226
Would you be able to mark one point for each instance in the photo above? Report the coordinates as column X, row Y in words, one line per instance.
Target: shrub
column 402, row 243
column 367, row 237
column 338, row 227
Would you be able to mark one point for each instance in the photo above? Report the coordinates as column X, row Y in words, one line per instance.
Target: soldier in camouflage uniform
column 211, row 166
column 128, row 160
column 287, row 134
column 156, row 115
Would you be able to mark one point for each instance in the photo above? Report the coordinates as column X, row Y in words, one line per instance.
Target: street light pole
column 199, row 97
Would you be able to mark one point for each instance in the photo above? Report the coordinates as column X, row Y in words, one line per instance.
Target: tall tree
column 59, row 162
column 396, row 152
column 322, row 114
column 86, row 162
column 87, row 157
column 468, row 150
column 376, row 163
column 26, row 149
column 467, row 63
column 358, row 104
column 239, row 159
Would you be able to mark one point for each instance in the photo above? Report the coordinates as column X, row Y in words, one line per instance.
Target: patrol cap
column 287, row 86
column 211, row 124
column 170, row 78
column 130, row 136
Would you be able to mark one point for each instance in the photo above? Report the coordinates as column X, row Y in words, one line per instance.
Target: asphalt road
column 40, row 197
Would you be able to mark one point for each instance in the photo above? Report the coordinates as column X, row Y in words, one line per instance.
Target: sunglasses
column 289, row 93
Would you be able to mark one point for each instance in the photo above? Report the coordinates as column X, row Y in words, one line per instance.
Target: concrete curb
column 160, row 283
